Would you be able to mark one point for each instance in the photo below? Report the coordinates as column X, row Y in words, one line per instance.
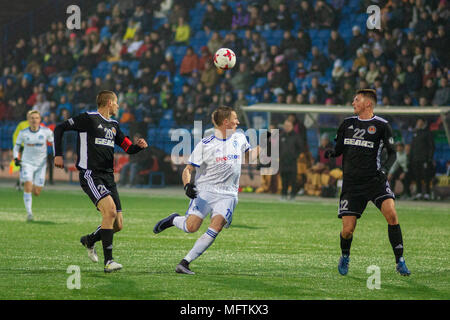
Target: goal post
column 269, row 108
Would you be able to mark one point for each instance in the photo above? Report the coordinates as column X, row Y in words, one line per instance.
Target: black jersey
column 96, row 139
column 362, row 142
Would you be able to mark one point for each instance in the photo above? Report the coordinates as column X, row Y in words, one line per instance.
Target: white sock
column 28, row 200
column 200, row 246
column 180, row 223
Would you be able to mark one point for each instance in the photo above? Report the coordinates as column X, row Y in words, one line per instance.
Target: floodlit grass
column 273, row 250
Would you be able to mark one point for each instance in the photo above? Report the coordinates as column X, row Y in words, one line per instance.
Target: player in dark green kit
column 361, row 140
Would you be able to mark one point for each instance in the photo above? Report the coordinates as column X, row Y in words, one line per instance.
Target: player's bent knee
column 192, row 227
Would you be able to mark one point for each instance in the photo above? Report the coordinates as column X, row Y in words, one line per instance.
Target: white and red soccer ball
column 224, row 59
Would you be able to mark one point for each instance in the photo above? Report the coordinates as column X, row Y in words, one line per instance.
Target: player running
column 361, row 139
column 97, row 135
column 33, row 162
column 217, row 161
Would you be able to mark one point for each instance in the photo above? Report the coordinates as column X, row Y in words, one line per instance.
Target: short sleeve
column 196, row 157
column 79, row 123
column 50, row 137
column 19, row 139
column 245, row 146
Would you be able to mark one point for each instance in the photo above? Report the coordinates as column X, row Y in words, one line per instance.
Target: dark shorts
column 98, row 185
column 354, row 199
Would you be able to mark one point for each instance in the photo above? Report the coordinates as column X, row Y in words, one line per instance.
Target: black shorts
column 354, row 199
column 98, row 185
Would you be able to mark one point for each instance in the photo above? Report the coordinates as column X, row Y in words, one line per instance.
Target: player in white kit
column 33, row 162
column 217, row 161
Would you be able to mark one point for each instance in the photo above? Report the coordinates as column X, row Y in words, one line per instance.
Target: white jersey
column 34, row 145
column 218, row 163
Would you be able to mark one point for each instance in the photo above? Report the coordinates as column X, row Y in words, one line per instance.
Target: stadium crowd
column 157, row 56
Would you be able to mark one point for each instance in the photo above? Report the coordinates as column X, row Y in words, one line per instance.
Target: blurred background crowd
column 157, row 56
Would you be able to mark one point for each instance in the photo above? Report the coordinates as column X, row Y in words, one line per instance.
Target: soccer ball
column 224, row 59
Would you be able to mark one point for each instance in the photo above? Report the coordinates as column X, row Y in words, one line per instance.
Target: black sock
column 396, row 240
column 107, row 242
column 345, row 245
column 94, row 236
column 184, row 263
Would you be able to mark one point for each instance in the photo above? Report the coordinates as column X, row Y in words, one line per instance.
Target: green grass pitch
column 273, row 250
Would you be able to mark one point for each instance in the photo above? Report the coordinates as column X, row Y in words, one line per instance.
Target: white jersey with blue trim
column 34, row 145
column 218, row 163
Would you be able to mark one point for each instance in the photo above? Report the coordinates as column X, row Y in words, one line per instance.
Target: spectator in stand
column 442, row 95
column 211, row 18
column 337, row 74
column 356, row 42
column 303, row 43
column 372, row 74
column 413, row 81
column 243, row 79
column 42, row 104
column 63, row 105
column 205, row 56
column 209, row 75
column 306, row 14
column 288, row 45
column 279, row 77
column 317, row 90
column 127, row 115
column 240, row 19
column 189, row 62
column 283, row 18
column 396, row 93
column 336, row 46
column 319, row 62
column 225, row 17
column 268, row 17
column 182, row 31
column 215, row 43
column 323, row 15
column 178, row 11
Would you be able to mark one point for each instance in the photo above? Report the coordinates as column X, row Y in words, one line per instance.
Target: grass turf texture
column 273, row 250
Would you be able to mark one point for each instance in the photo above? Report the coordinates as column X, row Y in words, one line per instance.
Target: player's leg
column 222, row 215
column 109, row 214
column 387, row 208
column 350, row 209
column 26, row 177
column 28, row 198
column 197, row 211
column 202, row 244
column 36, row 190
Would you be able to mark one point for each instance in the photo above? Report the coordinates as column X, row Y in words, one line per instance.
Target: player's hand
column 329, row 153
column 17, row 162
column 59, row 162
column 142, row 143
column 191, row 190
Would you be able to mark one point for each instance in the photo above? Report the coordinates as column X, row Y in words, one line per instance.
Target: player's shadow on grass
column 124, row 288
column 243, row 226
column 43, row 222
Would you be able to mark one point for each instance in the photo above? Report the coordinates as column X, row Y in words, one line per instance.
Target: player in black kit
column 361, row 139
column 97, row 135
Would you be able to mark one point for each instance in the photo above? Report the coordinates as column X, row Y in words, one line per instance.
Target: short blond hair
column 31, row 112
column 104, row 96
column 220, row 114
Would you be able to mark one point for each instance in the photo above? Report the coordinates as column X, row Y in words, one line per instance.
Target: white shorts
column 34, row 174
column 208, row 202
